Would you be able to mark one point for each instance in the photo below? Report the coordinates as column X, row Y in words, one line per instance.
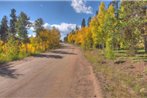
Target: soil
column 60, row 73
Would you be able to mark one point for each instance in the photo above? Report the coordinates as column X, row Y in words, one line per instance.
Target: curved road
column 61, row 73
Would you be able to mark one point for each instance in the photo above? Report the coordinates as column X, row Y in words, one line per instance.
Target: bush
column 10, row 50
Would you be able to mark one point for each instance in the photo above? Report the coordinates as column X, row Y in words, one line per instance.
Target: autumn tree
column 111, row 34
column 71, row 37
column 101, row 20
column 48, row 39
column 55, row 36
column 94, row 24
column 97, row 27
column 88, row 41
column 115, row 4
column 131, row 18
column 119, row 26
column 18, row 45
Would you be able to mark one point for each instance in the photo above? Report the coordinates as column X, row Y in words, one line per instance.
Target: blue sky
column 64, row 15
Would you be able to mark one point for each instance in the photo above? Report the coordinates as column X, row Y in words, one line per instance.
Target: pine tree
column 77, row 28
column 13, row 21
column 22, row 23
column 89, row 19
column 83, row 23
column 4, row 29
column 39, row 26
column 96, row 12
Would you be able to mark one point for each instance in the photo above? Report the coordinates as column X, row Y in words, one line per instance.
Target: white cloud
column 64, row 28
column 47, row 26
column 80, row 7
column 32, row 28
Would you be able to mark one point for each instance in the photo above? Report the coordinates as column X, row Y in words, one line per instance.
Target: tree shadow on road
column 6, row 70
column 63, row 52
column 48, row 56
column 64, row 46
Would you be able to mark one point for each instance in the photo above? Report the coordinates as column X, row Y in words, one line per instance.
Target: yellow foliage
column 14, row 49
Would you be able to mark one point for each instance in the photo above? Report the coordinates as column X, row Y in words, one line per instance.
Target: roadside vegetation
column 119, row 78
column 15, row 42
column 115, row 42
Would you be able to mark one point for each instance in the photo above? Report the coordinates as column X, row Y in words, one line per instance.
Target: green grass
column 139, row 56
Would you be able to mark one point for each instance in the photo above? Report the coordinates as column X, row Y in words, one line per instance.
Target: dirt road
column 62, row 73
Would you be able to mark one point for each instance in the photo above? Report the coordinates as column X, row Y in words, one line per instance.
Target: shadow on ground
column 63, row 52
column 48, row 56
column 65, row 46
column 6, row 70
column 119, row 62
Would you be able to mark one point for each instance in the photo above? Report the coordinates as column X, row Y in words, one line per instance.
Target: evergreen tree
column 83, row 23
column 115, row 4
column 77, row 28
column 13, row 21
column 96, row 12
column 39, row 26
column 22, row 23
column 89, row 19
column 4, row 29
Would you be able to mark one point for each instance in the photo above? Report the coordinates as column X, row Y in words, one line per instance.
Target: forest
column 15, row 42
column 120, row 26
column 115, row 42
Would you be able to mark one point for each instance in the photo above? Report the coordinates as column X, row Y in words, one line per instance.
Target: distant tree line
column 15, row 42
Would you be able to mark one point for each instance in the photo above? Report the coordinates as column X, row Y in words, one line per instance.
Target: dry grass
column 120, row 78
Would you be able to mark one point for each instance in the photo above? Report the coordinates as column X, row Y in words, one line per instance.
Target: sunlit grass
column 116, row 82
column 139, row 56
